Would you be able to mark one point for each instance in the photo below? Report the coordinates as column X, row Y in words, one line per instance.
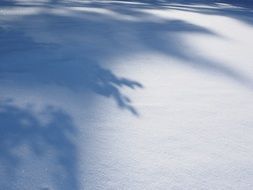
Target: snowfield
column 125, row 95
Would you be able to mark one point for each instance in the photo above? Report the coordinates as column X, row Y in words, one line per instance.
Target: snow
column 125, row 95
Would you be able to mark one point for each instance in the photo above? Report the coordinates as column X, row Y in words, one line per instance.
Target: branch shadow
column 78, row 75
column 69, row 51
column 24, row 135
column 78, row 44
column 239, row 11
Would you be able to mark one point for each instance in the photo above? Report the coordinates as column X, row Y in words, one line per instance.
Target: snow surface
column 125, row 95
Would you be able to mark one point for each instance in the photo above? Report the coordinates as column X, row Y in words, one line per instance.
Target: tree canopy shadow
column 25, row 134
column 78, row 75
column 156, row 3
column 75, row 45
column 69, row 50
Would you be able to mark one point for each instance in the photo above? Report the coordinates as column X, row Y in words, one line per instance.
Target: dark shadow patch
column 38, row 63
column 23, row 134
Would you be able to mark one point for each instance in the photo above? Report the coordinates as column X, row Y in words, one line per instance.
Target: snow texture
column 126, row 95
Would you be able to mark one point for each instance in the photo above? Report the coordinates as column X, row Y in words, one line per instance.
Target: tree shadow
column 159, row 3
column 78, row 75
column 7, row 3
column 26, row 137
column 69, row 50
column 75, row 45
column 239, row 11
column 160, row 35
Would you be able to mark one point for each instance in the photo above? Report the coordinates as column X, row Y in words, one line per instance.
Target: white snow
column 125, row 95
